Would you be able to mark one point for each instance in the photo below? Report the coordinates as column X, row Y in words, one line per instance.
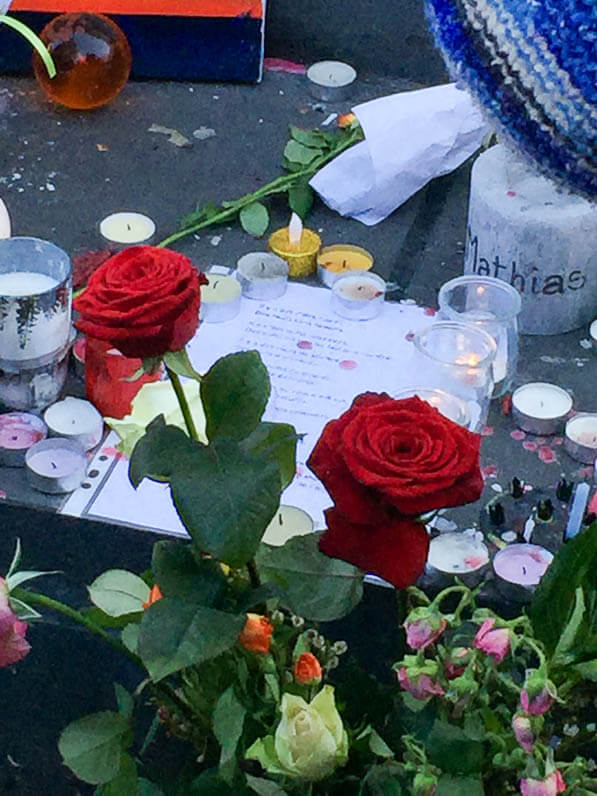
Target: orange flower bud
column 307, row 669
column 256, row 634
column 154, row 595
column 346, row 119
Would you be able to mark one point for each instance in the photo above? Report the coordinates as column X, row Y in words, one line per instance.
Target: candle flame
column 295, row 229
column 472, row 360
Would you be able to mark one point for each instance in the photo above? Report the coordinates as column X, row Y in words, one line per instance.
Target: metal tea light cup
column 492, row 305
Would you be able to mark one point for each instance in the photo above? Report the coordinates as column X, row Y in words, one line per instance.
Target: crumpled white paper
column 410, row 138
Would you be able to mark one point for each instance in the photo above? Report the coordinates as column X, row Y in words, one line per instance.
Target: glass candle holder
column 457, row 358
column 493, row 306
column 449, row 406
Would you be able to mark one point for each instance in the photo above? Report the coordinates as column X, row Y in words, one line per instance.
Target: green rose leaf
column 457, row 786
column 553, row 602
column 179, row 362
column 92, row 746
column 126, row 781
column 118, row 592
column 276, row 441
column 319, row 588
column 228, row 721
column 264, row 787
column 226, row 499
column 161, row 451
column 234, row 392
column 124, row 700
column 130, row 636
column 179, row 574
column 175, row 634
column 300, row 198
column 147, row 788
column 587, row 670
column 254, row 219
column 450, row 748
column 295, row 152
column 382, row 780
column 311, row 138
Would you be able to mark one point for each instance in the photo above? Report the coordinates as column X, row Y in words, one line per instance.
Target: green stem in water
column 182, row 402
column 279, row 185
column 33, row 40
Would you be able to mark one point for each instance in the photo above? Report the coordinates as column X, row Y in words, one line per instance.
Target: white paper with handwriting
column 317, row 363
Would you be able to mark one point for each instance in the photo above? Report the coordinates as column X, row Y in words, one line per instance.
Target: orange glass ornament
column 92, row 57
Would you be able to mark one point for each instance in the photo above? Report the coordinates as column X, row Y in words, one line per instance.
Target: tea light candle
column 18, row 432
column 458, row 553
column 56, row 466
column 331, row 81
column 299, row 246
column 448, row 405
column 359, row 297
column 220, row 298
column 288, row 521
column 126, row 229
column 75, row 419
column 4, row 221
column 522, row 564
column 341, row 258
column 580, row 440
column 262, row 275
column 540, row 407
column 593, row 332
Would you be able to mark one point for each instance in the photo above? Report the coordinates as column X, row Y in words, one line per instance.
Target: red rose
column 307, row 669
column 143, row 300
column 384, row 462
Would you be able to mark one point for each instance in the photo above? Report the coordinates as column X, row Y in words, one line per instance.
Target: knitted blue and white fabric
column 532, row 65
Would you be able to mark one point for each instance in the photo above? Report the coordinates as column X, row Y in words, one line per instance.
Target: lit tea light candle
column 18, row 432
column 220, row 298
column 340, row 259
column 127, row 229
column 358, row 297
column 580, row 439
column 331, row 81
column 523, row 566
column 297, row 245
column 56, row 466
column 463, row 554
column 541, row 408
column 75, row 419
column 262, row 275
column 288, row 521
column 4, row 221
column 448, row 405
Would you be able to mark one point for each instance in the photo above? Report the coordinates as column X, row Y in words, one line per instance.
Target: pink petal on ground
column 490, row 471
column 113, row 452
column 305, row 345
column 546, row 454
column 517, row 434
column 283, row 65
column 348, row 364
column 529, row 445
column 557, row 440
column 487, row 431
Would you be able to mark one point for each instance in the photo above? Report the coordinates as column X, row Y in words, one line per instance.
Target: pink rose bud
column 421, row 686
column 424, row 629
column 13, row 644
column 523, row 732
column 495, row 643
column 455, row 665
column 7, row 616
column 538, row 693
column 550, row 786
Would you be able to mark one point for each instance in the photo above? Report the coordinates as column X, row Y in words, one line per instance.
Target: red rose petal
column 396, row 551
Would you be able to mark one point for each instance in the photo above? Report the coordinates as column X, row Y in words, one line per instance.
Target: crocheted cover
column 532, row 64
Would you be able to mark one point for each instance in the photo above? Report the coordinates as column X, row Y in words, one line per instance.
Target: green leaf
column 300, row 198
column 118, row 592
column 125, row 782
column 147, row 788
column 587, row 670
column 179, row 362
column 450, row 748
column 124, row 700
column 273, row 686
column 319, row 588
column 130, row 636
column 201, row 213
column 175, row 634
column 160, row 451
column 276, row 441
column 562, row 653
column 228, row 721
column 553, row 602
column 378, row 746
column 238, row 497
column 264, row 787
column 310, row 138
column 254, row 219
column 92, row 746
column 151, row 365
column 382, row 780
column 234, row 392
column 179, row 574
column 298, row 153
column 460, row 786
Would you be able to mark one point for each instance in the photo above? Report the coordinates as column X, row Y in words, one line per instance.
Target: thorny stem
column 279, row 185
column 182, row 402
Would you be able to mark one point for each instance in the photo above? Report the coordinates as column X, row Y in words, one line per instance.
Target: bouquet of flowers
column 237, row 661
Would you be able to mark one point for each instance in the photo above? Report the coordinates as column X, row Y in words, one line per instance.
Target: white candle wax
column 458, row 553
column 359, row 296
column 55, row 466
column 523, row 564
column 4, row 221
column 262, row 275
column 288, row 521
column 127, row 228
column 18, row 432
column 25, row 283
column 220, row 298
column 331, row 74
column 542, row 400
column 593, row 331
column 75, row 419
column 583, row 430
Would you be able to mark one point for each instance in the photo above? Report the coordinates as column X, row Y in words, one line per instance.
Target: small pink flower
column 550, row 786
column 495, row 643
column 421, row 686
column 423, row 632
column 521, row 725
column 539, row 704
column 7, row 616
column 13, row 644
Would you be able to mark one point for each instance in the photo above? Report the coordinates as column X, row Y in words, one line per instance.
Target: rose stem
column 182, row 402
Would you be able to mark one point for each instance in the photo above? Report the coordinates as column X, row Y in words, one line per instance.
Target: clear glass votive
column 449, row 406
column 493, row 306
column 457, row 358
